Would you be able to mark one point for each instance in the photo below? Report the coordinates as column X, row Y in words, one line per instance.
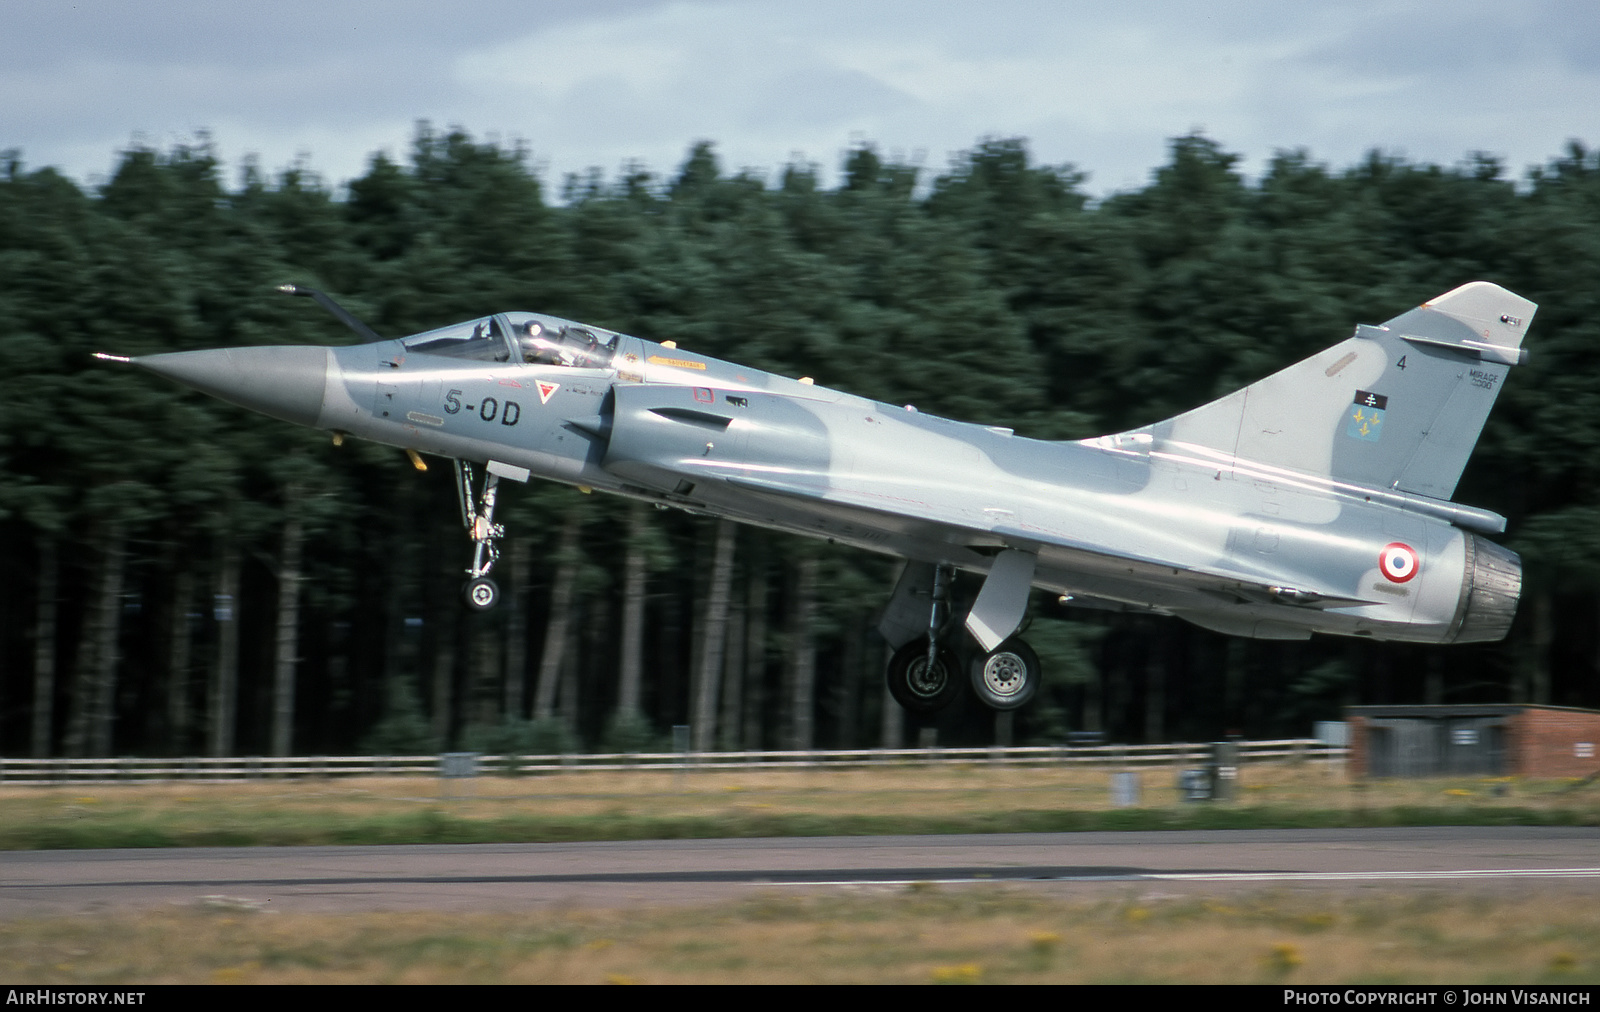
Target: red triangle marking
column 546, row 389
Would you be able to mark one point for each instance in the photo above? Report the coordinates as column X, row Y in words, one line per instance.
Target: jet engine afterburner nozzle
column 1489, row 592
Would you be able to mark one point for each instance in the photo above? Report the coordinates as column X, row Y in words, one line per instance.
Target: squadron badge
column 1366, row 418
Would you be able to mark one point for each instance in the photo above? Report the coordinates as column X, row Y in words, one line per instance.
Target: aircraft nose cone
column 285, row 382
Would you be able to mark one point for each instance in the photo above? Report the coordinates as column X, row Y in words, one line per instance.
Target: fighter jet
column 1317, row 500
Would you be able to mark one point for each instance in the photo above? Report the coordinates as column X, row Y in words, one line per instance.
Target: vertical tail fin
column 1397, row 407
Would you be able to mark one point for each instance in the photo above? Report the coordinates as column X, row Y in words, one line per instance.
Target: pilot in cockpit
column 573, row 346
column 535, row 347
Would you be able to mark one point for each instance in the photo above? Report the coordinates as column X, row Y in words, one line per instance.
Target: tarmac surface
column 486, row 877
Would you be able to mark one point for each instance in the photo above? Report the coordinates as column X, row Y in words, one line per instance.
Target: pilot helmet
column 530, row 337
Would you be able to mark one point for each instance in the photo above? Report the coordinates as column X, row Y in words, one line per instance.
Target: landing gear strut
column 477, row 514
column 924, row 676
column 925, row 673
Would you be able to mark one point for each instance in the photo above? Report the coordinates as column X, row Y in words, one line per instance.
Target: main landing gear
column 925, row 674
column 477, row 513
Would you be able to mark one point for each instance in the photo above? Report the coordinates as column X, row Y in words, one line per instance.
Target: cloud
column 603, row 84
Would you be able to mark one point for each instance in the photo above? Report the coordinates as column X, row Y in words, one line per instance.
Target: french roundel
column 1398, row 561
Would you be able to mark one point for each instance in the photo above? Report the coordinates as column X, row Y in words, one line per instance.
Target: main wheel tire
column 918, row 689
column 1008, row 676
column 481, row 594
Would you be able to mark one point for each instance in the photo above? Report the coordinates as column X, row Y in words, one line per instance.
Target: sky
column 607, row 83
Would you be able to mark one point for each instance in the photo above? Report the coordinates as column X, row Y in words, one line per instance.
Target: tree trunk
column 892, row 731
column 803, row 658
column 854, row 649
column 44, row 650
column 1543, row 635
column 1235, row 654
column 223, row 706
column 75, row 743
column 733, row 669
column 94, row 685
column 1004, row 727
column 755, row 651
column 178, row 663
column 1155, row 690
column 288, row 626
column 107, row 654
column 517, row 630
column 444, row 669
column 571, row 662
column 1092, row 710
column 715, row 632
column 485, row 671
column 699, row 600
column 555, row 633
column 633, row 593
column 598, row 659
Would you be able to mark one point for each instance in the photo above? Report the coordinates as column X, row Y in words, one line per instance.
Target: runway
column 522, row 876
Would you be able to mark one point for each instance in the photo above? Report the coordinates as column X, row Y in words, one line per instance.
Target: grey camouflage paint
column 1272, row 512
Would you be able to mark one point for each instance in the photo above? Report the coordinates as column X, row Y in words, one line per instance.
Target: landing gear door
column 1003, row 601
column 906, row 617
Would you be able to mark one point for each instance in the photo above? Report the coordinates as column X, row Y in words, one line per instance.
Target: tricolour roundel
column 1398, row 561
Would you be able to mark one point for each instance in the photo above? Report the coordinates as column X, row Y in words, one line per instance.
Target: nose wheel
column 481, row 593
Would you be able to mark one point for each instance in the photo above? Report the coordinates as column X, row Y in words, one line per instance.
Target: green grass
column 637, row 805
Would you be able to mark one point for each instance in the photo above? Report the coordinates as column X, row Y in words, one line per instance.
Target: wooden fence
column 229, row 769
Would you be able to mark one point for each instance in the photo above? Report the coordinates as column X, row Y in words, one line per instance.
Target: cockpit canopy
column 480, row 339
column 522, row 337
column 544, row 340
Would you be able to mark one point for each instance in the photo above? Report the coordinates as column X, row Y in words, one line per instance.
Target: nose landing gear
column 477, row 514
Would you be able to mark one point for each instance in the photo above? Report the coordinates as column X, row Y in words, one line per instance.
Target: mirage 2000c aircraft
column 1315, row 500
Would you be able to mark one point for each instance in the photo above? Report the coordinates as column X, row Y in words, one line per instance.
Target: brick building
column 1493, row 740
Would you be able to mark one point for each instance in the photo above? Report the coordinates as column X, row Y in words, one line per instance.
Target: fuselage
column 1132, row 523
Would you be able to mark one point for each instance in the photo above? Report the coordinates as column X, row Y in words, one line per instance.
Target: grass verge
column 917, row 935
column 634, row 805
